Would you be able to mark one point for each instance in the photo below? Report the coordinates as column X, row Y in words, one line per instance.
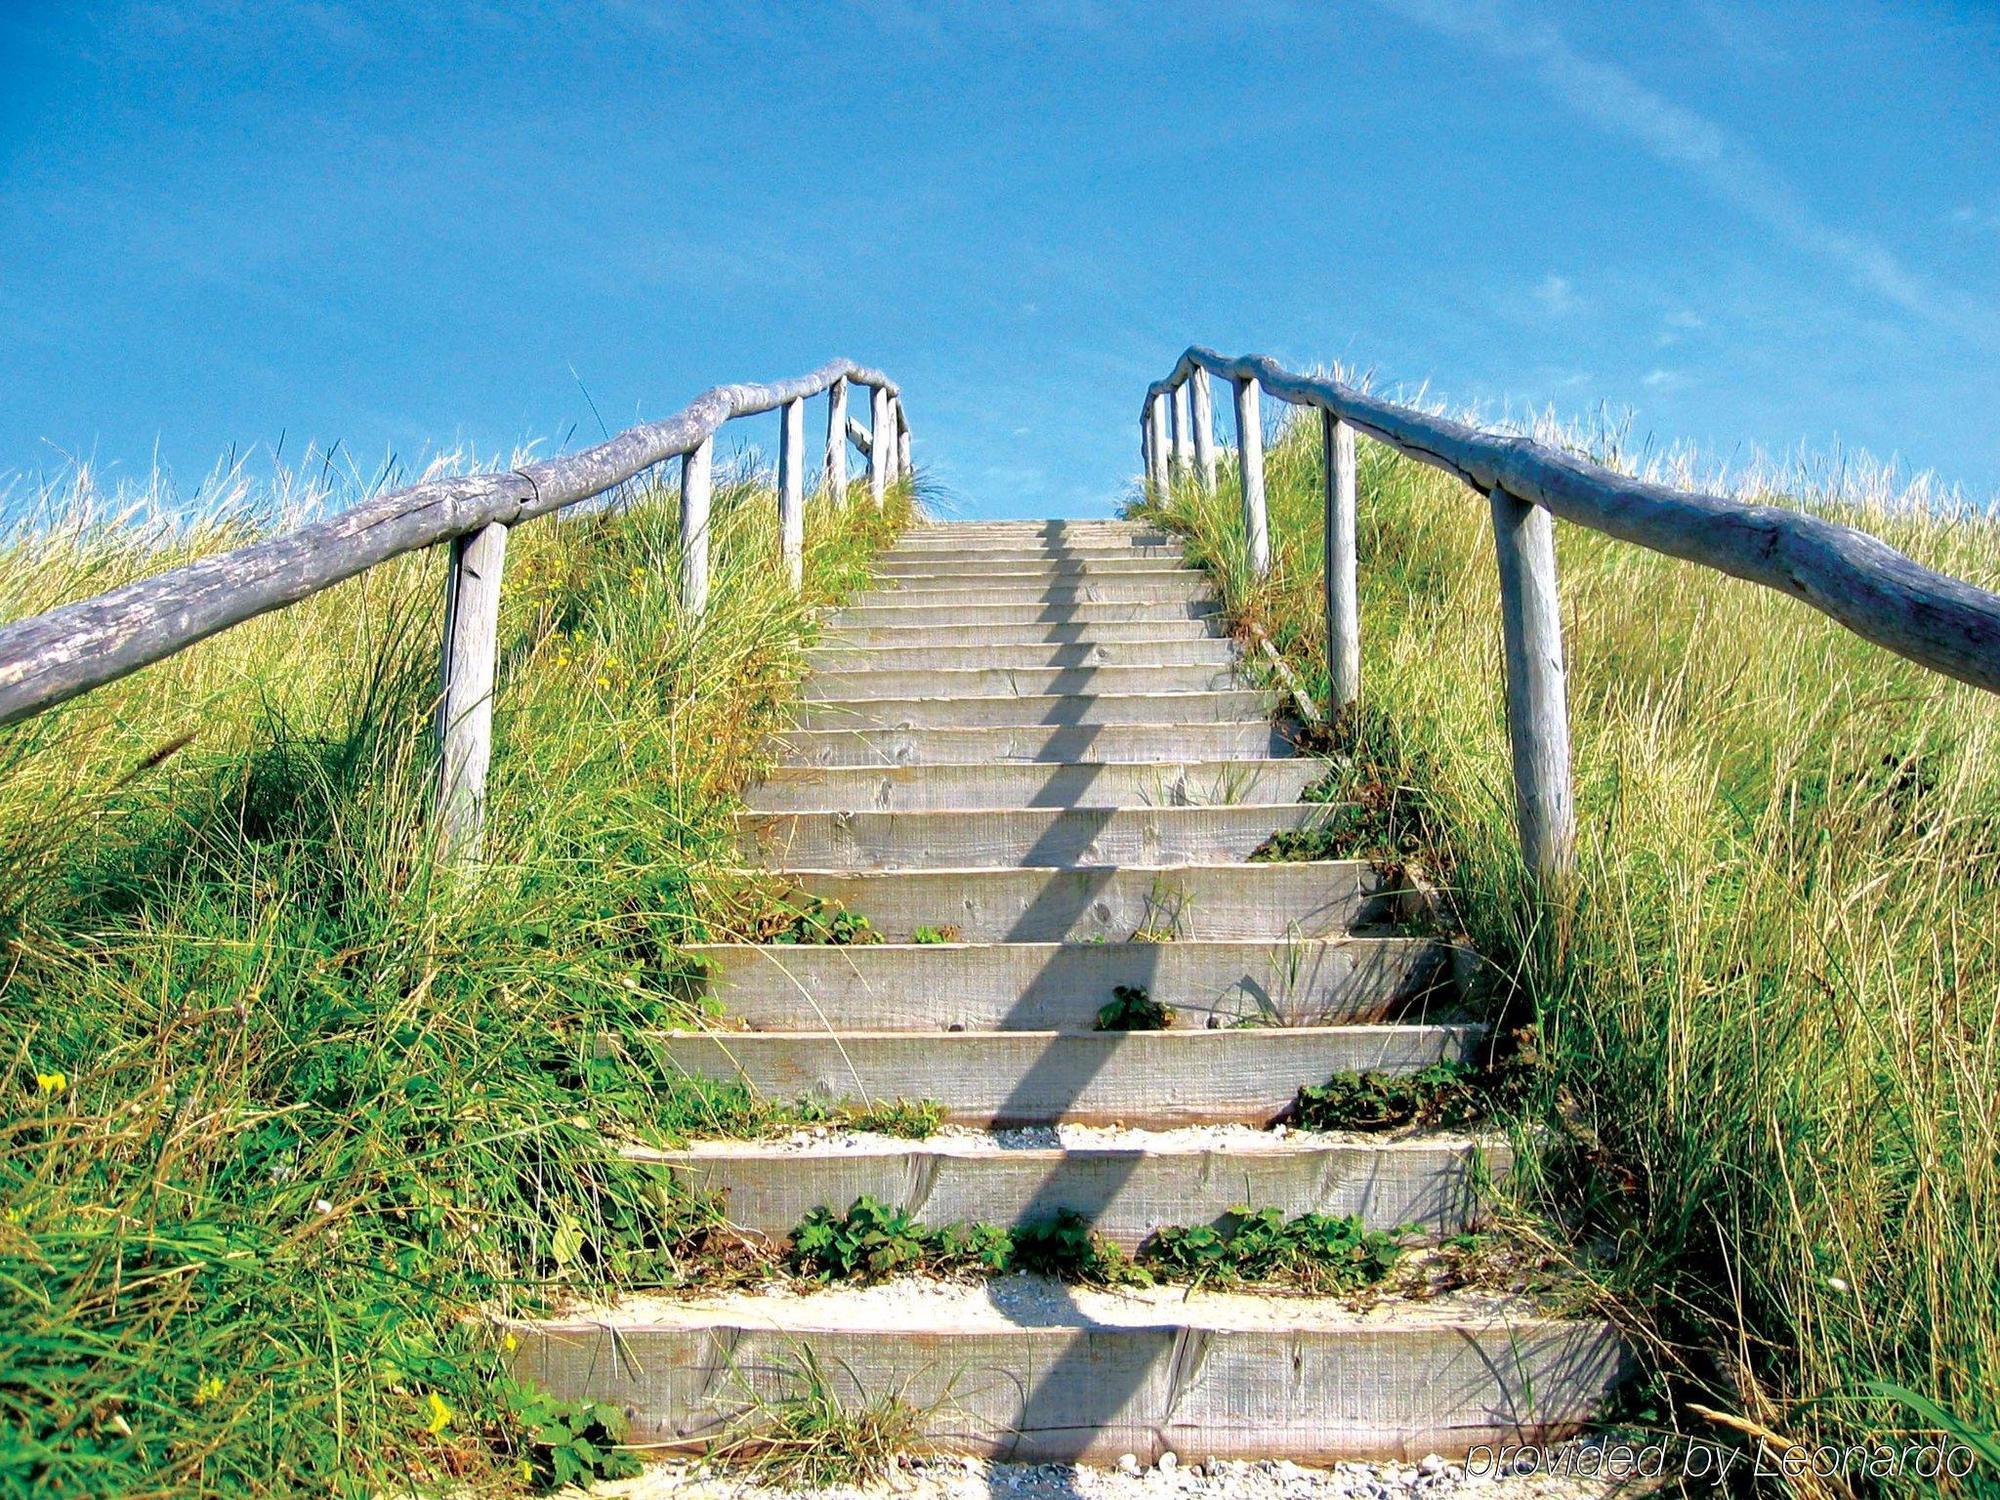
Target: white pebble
column 1169, row 1460
column 1128, row 1463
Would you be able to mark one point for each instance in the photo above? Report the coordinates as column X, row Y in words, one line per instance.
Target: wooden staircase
column 1032, row 741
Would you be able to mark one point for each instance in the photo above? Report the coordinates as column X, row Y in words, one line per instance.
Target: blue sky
column 405, row 226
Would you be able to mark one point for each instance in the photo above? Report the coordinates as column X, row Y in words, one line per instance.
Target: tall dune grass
column 1770, row 1107
column 280, row 1106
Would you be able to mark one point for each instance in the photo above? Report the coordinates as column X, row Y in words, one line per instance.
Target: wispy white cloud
column 1555, row 296
column 1619, row 104
column 1663, row 380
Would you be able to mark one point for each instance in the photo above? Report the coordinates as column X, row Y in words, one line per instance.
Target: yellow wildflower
column 52, row 1083
column 509, row 1342
column 209, row 1390
column 440, row 1414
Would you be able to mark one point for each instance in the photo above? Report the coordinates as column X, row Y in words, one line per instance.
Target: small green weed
column 874, row 1240
column 560, row 1442
column 1132, row 1008
column 1445, row 1093
column 823, row 922
column 811, row 1437
column 945, row 934
column 1067, row 1248
column 1319, row 1252
column 911, row 1119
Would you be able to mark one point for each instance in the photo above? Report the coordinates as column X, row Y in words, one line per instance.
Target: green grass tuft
column 282, row 1107
column 1768, row 1090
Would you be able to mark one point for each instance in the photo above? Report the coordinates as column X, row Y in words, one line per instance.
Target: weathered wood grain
column 1020, row 612
column 1537, row 693
column 1051, row 711
column 1238, row 903
column 834, row 472
column 858, row 435
column 465, row 702
column 881, row 447
column 1343, row 610
column 1183, row 430
column 697, row 491
column 990, row 784
column 1203, row 416
column 1040, row 837
column 1149, row 1181
column 76, row 647
column 1163, row 652
column 792, row 490
column 1045, row 744
column 1944, row 623
column 1034, row 682
column 1250, row 473
column 1156, row 444
column 1061, row 986
column 1031, row 1372
column 1249, row 1075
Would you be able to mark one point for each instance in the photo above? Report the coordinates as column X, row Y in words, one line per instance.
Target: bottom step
column 1035, row 1370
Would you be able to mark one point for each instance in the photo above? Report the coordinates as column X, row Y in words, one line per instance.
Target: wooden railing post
column 697, row 478
column 836, row 442
column 1156, row 445
column 902, row 440
column 895, row 439
column 1183, row 431
column 1343, row 611
column 1250, row 467
column 1203, row 415
column 1537, row 695
column 465, row 695
column 792, row 490
column 881, row 446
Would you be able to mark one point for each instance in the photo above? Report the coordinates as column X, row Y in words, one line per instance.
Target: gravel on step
column 1189, row 1479
column 822, row 1139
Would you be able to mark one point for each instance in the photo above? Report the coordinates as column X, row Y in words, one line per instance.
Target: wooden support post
column 1343, row 613
column 465, row 696
column 792, row 490
column 1537, row 695
column 902, row 441
column 1250, row 468
column 836, row 442
column 881, row 446
column 697, row 478
column 1183, row 431
column 1203, row 419
column 895, row 435
column 1156, row 445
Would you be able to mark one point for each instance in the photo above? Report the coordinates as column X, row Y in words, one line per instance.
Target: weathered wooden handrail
column 54, row 656
column 1938, row 621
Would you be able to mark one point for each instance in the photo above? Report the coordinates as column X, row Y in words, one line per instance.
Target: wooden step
column 1165, row 744
column 1060, row 986
column 1035, row 836
column 1211, row 651
column 1036, row 1371
column 935, row 788
column 1165, row 574
column 1240, row 903
column 1128, row 1183
column 1110, row 633
column 1175, row 588
column 1021, row 682
column 1046, row 564
column 1155, row 1079
column 909, row 615
column 1044, row 710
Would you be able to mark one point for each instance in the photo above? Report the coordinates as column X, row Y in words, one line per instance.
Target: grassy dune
column 1771, row 1062
column 280, row 1106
